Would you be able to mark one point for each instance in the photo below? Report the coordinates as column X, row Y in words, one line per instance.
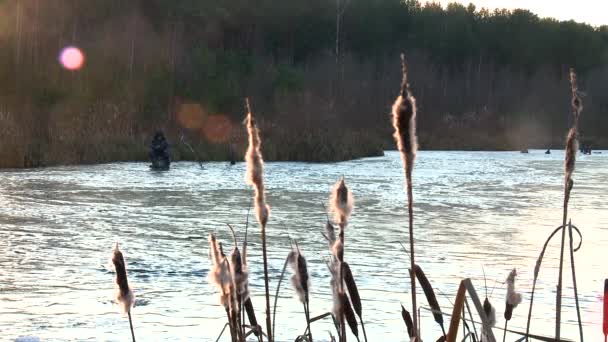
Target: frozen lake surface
column 472, row 209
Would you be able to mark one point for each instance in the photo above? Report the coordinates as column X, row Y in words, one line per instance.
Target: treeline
column 320, row 74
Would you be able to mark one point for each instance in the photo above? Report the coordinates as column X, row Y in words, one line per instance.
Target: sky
column 594, row 12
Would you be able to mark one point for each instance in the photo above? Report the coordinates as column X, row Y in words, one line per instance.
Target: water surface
column 473, row 209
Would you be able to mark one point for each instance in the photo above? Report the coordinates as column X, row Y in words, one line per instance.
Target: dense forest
column 321, row 76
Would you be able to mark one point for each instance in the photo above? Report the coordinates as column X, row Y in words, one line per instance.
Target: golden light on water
column 71, row 58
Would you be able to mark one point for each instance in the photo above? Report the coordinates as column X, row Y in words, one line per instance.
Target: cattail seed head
column 254, row 174
column 239, row 274
column 513, row 298
column 219, row 272
column 300, row 279
column 341, row 202
column 490, row 312
column 404, row 122
column 124, row 295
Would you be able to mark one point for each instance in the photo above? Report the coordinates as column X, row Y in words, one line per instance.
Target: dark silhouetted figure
column 159, row 152
column 548, row 151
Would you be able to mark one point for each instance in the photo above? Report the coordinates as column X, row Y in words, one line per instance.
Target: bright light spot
column 71, row 58
column 217, row 128
column 191, row 115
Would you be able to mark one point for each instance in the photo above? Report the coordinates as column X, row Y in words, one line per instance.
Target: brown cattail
column 300, row 279
column 488, row 309
column 254, row 174
column 124, row 295
column 404, row 122
column 350, row 315
column 513, row 298
column 239, row 274
column 351, row 286
column 430, row 296
column 407, row 318
column 330, row 233
column 341, row 202
column 219, row 272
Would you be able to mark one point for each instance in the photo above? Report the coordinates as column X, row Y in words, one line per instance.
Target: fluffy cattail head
column 254, row 174
column 219, row 272
column 490, row 312
column 572, row 139
column 341, row 202
column 124, row 295
column 404, row 122
column 300, row 279
column 513, row 298
column 239, row 274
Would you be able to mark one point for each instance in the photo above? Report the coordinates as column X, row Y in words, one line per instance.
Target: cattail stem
column 537, row 270
column 504, row 335
column 578, row 310
column 307, row 314
column 558, row 305
column 341, row 283
column 410, row 212
column 131, row 325
column 276, row 295
column 267, row 293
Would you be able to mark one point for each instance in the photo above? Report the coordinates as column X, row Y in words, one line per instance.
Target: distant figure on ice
column 159, row 154
column 525, row 150
column 548, row 151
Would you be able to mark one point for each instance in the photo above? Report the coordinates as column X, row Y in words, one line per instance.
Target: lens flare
column 71, row 58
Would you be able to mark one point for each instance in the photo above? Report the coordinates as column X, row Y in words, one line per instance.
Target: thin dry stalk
column 301, row 282
column 404, row 122
column 537, row 270
column 124, row 294
column 254, row 176
column 570, row 158
column 578, row 310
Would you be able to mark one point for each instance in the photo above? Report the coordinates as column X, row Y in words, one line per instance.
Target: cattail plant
column 301, row 282
column 513, row 299
column 404, row 123
column 490, row 312
column 571, row 148
column 254, row 176
column 569, row 163
column 124, row 294
column 341, row 204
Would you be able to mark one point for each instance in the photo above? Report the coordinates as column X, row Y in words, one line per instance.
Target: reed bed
column 229, row 274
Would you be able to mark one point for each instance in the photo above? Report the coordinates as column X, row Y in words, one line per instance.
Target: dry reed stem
column 254, row 176
column 572, row 267
column 569, row 162
column 537, row 270
column 458, row 309
column 404, row 123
